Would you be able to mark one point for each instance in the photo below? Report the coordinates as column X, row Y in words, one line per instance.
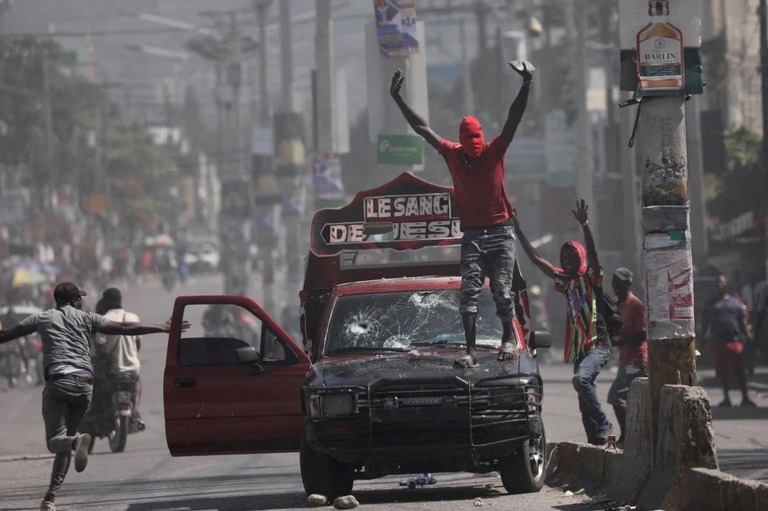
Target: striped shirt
column 581, row 332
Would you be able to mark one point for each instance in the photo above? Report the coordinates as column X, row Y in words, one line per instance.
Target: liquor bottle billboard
column 660, row 47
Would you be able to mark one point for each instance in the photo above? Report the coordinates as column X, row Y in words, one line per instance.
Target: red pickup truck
column 371, row 390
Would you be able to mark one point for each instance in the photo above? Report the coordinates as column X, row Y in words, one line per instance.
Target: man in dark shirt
column 724, row 319
column 633, row 347
column 66, row 331
column 488, row 243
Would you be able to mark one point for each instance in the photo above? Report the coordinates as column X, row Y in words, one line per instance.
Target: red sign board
column 405, row 214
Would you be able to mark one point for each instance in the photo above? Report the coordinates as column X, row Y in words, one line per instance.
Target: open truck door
column 233, row 381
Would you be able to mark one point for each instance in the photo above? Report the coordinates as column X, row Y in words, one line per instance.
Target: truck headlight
column 328, row 404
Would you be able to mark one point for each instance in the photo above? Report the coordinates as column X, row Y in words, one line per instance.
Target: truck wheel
column 324, row 475
column 412, row 485
column 119, row 435
column 524, row 470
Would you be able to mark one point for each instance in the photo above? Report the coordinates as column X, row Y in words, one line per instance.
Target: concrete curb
column 682, row 477
column 696, row 489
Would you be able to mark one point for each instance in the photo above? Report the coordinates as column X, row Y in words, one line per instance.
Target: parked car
column 374, row 390
column 204, row 257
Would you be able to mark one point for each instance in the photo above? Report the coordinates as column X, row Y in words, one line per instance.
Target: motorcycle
column 11, row 362
column 111, row 413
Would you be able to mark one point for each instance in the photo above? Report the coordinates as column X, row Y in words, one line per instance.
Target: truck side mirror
column 540, row 339
column 246, row 355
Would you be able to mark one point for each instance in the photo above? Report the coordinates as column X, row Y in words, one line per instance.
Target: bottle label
column 660, row 57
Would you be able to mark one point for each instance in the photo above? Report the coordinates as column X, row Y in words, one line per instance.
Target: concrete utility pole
column 662, row 147
column 262, row 9
column 581, row 127
column 286, row 57
column 229, row 51
column 325, row 75
column 48, row 132
column 763, row 14
column 696, row 178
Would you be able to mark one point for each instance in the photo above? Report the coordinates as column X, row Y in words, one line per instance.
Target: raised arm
column 14, row 333
column 116, row 328
column 417, row 122
column 517, row 108
column 583, row 218
column 533, row 255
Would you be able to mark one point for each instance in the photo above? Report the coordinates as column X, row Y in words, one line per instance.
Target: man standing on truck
column 488, row 244
column 587, row 340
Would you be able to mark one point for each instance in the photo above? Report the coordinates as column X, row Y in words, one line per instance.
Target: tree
column 94, row 149
column 732, row 190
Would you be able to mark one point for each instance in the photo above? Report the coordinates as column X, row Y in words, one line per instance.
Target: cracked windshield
column 403, row 321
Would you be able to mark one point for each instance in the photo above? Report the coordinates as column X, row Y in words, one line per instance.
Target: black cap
column 623, row 274
column 66, row 292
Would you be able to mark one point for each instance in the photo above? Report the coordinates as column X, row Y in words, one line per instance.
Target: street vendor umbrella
column 159, row 240
column 23, row 276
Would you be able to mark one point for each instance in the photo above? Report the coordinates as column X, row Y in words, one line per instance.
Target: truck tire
column 323, row 475
column 524, row 470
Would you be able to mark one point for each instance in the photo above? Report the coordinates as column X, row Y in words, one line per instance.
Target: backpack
column 607, row 308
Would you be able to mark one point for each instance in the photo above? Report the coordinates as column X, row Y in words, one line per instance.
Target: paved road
column 146, row 477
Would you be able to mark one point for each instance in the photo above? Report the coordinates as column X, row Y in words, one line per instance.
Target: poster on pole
column 326, row 177
column 396, row 27
column 669, row 277
column 660, row 47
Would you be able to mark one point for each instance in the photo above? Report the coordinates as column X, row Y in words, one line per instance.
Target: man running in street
column 488, row 243
column 587, row 343
column 66, row 331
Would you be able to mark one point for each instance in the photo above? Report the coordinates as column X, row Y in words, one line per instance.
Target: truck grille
column 442, row 415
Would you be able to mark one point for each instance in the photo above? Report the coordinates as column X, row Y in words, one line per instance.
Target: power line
column 98, row 33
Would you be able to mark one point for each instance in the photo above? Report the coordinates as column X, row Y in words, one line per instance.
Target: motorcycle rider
column 122, row 350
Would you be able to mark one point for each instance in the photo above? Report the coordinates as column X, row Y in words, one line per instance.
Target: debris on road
column 317, row 500
column 420, row 480
column 478, row 502
column 347, row 502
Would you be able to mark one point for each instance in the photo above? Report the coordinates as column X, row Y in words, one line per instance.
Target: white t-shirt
column 124, row 348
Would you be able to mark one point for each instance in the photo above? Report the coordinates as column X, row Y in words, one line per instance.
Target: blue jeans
column 585, row 372
column 488, row 253
column 65, row 402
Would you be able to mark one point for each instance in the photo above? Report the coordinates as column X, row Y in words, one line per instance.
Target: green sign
column 400, row 150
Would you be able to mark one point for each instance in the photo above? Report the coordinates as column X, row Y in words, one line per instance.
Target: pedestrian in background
column 726, row 331
column 66, row 331
column 632, row 344
column 587, row 343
